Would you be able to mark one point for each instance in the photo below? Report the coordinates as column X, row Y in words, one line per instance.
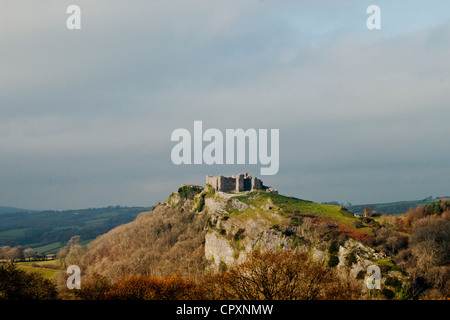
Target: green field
column 45, row 272
column 49, row 248
column 13, row 233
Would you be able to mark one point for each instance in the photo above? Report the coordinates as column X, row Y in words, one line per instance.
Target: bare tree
column 29, row 253
column 367, row 211
column 75, row 254
column 15, row 253
column 426, row 254
column 283, row 274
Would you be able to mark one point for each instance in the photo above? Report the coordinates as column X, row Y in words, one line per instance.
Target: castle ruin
column 238, row 183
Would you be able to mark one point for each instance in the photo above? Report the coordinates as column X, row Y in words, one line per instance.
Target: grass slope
column 30, row 266
column 295, row 210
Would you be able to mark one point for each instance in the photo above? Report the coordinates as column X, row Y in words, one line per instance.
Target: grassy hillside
column 48, row 269
column 295, row 210
column 47, row 231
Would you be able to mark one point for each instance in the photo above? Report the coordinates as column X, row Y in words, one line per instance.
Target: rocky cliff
column 199, row 229
column 242, row 222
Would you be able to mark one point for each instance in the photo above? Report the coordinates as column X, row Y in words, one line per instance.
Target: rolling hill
column 398, row 207
column 13, row 210
column 47, row 231
column 199, row 229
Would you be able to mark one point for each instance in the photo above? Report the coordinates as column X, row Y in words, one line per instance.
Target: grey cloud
column 87, row 117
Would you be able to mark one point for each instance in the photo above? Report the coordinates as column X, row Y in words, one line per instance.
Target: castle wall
column 213, row 181
column 227, row 184
column 256, row 184
column 247, row 184
column 239, row 183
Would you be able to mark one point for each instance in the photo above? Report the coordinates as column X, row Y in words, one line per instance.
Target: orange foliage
column 438, row 209
column 354, row 234
column 151, row 288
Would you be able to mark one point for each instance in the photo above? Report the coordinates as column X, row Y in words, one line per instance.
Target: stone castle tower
column 235, row 183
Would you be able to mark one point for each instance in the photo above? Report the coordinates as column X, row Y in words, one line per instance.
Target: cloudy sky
column 87, row 115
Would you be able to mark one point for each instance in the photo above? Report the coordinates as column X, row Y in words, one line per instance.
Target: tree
column 29, row 253
column 75, row 254
column 430, row 239
column 16, row 284
column 61, row 257
column 15, row 253
column 430, row 252
column 3, row 251
column 94, row 288
column 367, row 211
column 71, row 253
column 280, row 275
column 75, row 240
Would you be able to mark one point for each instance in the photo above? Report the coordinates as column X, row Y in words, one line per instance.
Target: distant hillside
column 398, row 207
column 47, row 231
column 13, row 210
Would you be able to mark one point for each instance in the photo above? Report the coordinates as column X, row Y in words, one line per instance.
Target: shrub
column 354, row 234
column 351, row 259
column 95, row 288
column 199, row 203
column 222, row 266
column 188, row 191
column 361, row 275
column 279, row 275
column 16, row 284
column 358, row 224
column 239, row 235
column 333, row 261
column 334, row 247
column 389, row 294
column 150, row 288
column 393, row 282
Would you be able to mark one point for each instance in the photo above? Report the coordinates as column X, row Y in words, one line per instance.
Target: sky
column 86, row 115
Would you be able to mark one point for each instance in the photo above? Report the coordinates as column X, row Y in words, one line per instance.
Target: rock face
column 357, row 256
column 218, row 250
column 230, row 241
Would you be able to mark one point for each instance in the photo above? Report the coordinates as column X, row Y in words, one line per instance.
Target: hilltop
column 199, row 230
